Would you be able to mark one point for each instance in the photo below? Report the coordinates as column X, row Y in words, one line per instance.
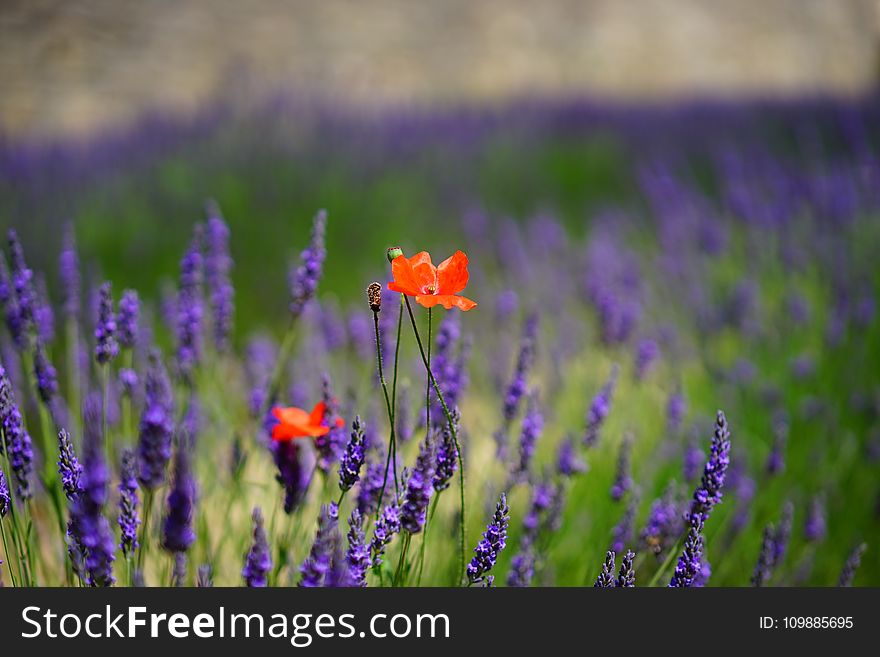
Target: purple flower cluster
column 5, row 496
column 447, row 455
column 371, row 486
column 68, row 269
column 708, row 494
column 19, row 294
column 357, row 556
column 218, row 265
column 189, row 309
column 258, row 563
column 177, row 529
column 106, row 345
column 848, row 574
column 626, row 577
column 156, row 425
column 815, row 525
column 599, row 409
column 418, row 490
column 622, row 479
column 127, row 319
column 606, row 579
column 664, row 524
column 387, row 526
column 568, row 462
column 621, row 535
column 294, row 471
column 17, row 440
column 330, row 446
column 532, row 426
column 303, row 280
column 45, row 374
column 315, row 569
column 690, row 563
column 128, row 519
column 353, row 458
column 493, row 542
column 518, row 386
column 647, row 352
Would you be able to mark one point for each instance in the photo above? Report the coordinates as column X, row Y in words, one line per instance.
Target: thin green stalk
column 6, row 552
column 673, row 553
column 391, row 457
column 407, row 537
column 428, row 520
column 145, row 528
column 31, row 539
column 452, row 431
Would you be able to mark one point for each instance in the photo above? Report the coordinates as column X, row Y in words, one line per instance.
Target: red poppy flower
column 294, row 422
column 418, row 277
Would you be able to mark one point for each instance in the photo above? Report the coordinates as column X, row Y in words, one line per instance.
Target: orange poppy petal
column 452, row 274
column 446, row 300
column 317, row 415
column 424, row 271
column 404, row 277
column 340, row 422
column 291, row 415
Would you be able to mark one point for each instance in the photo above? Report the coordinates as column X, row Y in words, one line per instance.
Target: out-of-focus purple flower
column 694, row 458
column 69, row 467
column 294, row 465
column 783, row 533
column 258, row 562
column 848, row 574
column 647, row 352
column 493, row 542
column 45, row 374
column 803, row 367
column 704, row 573
column 304, row 279
column 385, row 529
column 622, row 534
column 568, row 463
column 418, row 490
column 798, row 308
column 106, row 346
column 218, row 265
column 156, row 425
column 626, row 577
column 190, row 312
column 68, row 269
column 676, row 407
column 128, row 381
column 127, row 318
column 606, row 580
column 776, row 458
column 532, row 426
column 357, row 556
column 177, row 530
column 17, row 443
column 88, row 523
column 522, row 566
column 519, row 382
column 360, row 334
column 129, row 519
column 205, row 576
column 622, row 479
column 178, row 571
column 260, row 354
column 447, row 455
column 506, row 304
column 764, row 566
column 599, row 409
column 815, row 526
column 44, row 316
column 315, row 568
column 353, row 458
column 331, row 445
column 20, row 298
column 371, row 486
column 690, row 563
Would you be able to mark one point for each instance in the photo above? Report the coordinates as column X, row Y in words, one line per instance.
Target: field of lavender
column 278, row 386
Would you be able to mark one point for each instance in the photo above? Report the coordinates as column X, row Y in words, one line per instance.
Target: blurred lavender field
column 637, row 268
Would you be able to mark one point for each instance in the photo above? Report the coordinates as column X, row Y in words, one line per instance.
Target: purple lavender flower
column 17, row 440
column 89, row 526
column 189, row 309
column 708, row 494
column 690, row 563
column 447, row 455
column 156, row 426
column 330, row 445
column 304, row 279
column 371, row 486
column 622, row 479
column 847, row 575
column 177, row 530
column 128, row 520
column 385, row 529
column 294, row 471
column 260, row 356
column 205, row 576
column 44, row 316
column 178, row 572
column 68, row 466
column 776, row 459
column 128, row 381
column 626, row 577
column 705, row 573
column 676, row 407
column 418, row 490
column 448, row 366
column 606, row 580
column 127, row 318
column 694, row 458
column 314, row 570
column 68, row 268
column 664, row 524
column 568, row 463
column 532, row 425
column 519, row 382
column 218, row 264
column 357, row 556
column 106, row 346
column 353, row 458
column 764, row 567
column 599, row 409
column 783, row 533
column 493, row 541
column 815, row 526
column 22, row 297
column 45, row 374
column 258, row 563
column 5, row 497
column 522, row 566
column 647, row 353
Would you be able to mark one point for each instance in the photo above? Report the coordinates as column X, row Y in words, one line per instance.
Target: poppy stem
column 390, row 405
column 453, row 432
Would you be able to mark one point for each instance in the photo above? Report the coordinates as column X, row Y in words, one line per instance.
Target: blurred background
column 74, row 66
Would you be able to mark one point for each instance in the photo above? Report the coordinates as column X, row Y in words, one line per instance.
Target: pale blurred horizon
column 77, row 67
